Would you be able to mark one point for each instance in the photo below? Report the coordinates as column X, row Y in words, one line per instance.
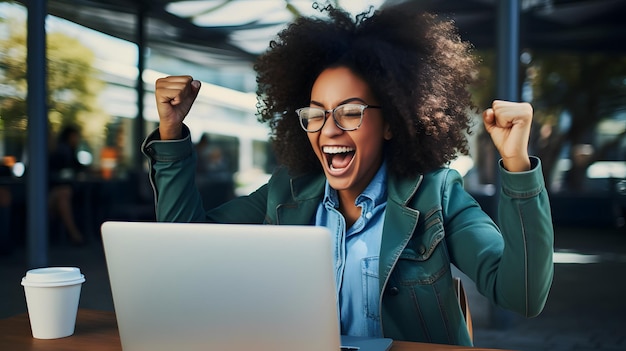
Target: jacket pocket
column 425, row 259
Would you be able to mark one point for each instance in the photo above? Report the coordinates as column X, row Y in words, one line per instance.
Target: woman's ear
column 388, row 134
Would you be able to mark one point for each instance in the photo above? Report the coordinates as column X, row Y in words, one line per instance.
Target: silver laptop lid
column 222, row 287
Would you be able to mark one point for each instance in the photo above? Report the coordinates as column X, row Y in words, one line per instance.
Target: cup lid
column 53, row 276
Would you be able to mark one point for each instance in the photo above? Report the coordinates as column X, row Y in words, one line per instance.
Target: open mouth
column 338, row 157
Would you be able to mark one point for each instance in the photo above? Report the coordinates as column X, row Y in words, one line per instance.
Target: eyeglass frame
column 332, row 113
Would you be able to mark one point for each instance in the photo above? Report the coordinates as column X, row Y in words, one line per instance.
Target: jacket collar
column 402, row 190
column 400, row 223
column 306, row 187
column 306, row 193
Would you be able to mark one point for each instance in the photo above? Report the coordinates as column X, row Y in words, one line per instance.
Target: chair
column 464, row 303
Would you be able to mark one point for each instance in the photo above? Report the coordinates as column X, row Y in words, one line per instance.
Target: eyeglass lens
column 347, row 117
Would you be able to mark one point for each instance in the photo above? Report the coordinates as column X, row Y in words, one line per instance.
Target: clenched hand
column 174, row 97
column 508, row 124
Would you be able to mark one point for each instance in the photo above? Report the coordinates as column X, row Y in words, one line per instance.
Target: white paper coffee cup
column 52, row 296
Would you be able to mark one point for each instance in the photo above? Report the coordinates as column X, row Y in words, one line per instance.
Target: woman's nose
column 330, row 128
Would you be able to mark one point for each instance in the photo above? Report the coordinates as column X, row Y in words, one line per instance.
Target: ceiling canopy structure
column 222, row 32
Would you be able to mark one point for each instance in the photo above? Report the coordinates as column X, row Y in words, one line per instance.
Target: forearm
column 526, row 223
column 172, row 176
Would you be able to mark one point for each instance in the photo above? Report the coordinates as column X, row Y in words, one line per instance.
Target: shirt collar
column 375, row 192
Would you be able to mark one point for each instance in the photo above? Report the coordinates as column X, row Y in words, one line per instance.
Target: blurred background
column 572, row 68
column 101, row 55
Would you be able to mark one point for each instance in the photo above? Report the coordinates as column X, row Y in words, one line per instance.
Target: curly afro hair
column 416, row 65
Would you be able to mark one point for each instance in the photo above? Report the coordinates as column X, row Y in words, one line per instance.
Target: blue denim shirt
column 356, row 252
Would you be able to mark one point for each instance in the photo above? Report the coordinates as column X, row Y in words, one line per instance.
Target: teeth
column 337, row 149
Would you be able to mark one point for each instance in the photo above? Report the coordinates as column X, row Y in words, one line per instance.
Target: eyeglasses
column 347, row 117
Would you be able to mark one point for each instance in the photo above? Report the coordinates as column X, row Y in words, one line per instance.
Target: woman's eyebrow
column 353, row 99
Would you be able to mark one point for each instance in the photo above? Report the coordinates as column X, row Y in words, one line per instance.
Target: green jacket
column 430, row 223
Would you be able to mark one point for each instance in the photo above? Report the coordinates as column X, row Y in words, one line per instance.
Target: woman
column 365, row 117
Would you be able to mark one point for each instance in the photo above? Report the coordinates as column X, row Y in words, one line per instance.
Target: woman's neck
column 348, row 209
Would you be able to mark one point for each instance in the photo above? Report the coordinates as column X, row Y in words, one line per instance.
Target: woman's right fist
column 174, row 97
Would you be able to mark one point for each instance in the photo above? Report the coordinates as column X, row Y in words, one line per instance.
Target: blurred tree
column 572, row 94
column 73, row 85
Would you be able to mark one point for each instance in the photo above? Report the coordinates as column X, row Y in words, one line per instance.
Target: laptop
column 192, row 286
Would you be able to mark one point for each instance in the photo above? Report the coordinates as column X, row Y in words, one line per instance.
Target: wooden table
column 97, row 330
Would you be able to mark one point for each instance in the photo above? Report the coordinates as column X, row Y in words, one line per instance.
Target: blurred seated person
column 214, row 178
column 64, row 167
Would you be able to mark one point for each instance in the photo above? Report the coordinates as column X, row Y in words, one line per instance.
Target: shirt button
column 394, row 291
column 368, row 215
